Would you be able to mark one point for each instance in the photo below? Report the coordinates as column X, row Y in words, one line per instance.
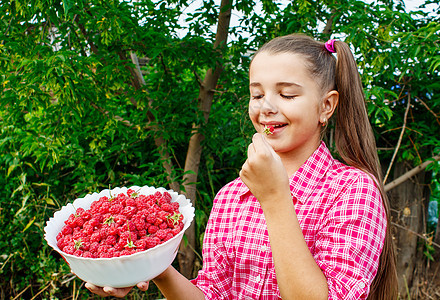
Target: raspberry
column 113, row 230
column 175, row 206
column 85, row 246
column 121, row 225
column 69, row 249
column 87, row 254
column 169, row 236
column 110, row 240
column 70, row 221
column 77, row 235
column 129, row 211
column 120, row 219
column 61, row 243
column 119, row 245
column 142, row 233
column 126, row 252
column 103, row 232
column 167, row 196
column 96, row 237
column 157, row 195
column 88, row 229
column 66, row 230
column 86, row 215
column 161, row 234
column 167, row 207
column 141, row 203
column 152, row 229
column 104, row 208
column 116, row 208
column 139, row 223
column 79, row 211
column 104, row 255
column 151, row 218
column 151, row 242
column 141, row 244
column 268, row 129
column 102, row 248
column 130, row 202
column 94, row 247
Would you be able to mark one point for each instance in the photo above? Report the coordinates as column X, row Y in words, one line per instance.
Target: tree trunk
column 186, row 254
column 408, row 205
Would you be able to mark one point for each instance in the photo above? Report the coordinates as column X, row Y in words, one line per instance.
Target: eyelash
column 287, row 97
column 282, row 96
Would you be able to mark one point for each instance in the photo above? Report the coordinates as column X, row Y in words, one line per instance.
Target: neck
column 293, row 160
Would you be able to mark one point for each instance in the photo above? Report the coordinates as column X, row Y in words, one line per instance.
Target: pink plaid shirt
column 342, row 218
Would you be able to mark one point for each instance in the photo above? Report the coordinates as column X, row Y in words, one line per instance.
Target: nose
column 268, row 105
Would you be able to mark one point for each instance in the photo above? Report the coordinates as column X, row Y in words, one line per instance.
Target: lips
column 274, row 125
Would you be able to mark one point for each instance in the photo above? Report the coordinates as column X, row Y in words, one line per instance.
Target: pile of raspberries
column 121, row 225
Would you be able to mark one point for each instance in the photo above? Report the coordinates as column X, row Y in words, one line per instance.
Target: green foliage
column 74, row 120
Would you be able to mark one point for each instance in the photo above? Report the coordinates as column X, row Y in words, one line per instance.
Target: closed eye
column 288, row 97
column 257, row 97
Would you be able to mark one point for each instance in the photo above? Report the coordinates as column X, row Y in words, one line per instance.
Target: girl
column 297, row 224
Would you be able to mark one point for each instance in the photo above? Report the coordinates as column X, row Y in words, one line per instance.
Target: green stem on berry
column 109, row 220
column 78, row 244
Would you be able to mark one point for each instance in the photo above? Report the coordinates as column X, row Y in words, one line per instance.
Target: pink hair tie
column 330, row 46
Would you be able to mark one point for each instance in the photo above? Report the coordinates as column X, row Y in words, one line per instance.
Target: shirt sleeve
column 351, row 238
column 214, row 279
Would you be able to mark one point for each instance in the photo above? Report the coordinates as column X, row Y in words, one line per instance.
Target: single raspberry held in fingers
column 268, row 129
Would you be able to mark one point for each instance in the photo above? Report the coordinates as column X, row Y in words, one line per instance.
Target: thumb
column 143, row 286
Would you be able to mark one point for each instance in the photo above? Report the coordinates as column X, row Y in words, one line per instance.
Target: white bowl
column 123, row 271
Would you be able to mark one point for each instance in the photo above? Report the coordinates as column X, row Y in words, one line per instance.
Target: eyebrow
column 278, row 84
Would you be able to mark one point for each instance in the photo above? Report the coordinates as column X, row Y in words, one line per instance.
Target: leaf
column 29, row 224
column 10, row 169
column 49, row 201
column 67, row 5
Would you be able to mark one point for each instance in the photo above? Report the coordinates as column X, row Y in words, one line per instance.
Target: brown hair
column 354, row 140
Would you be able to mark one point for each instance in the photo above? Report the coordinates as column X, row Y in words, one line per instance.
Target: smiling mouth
column 275, row 126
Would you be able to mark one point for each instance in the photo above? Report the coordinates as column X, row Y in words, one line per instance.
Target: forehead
column 279, row 67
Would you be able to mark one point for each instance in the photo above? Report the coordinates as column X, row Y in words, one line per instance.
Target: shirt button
column 361, row 285
column 258, row 279
column 263, row 248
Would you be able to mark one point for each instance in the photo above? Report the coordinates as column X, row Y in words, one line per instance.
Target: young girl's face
column 284, row 95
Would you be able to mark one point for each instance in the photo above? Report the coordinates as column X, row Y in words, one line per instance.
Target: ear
column 328, row 106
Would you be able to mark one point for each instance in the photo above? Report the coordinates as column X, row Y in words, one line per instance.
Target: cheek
column 254, row 113
column 253, row 110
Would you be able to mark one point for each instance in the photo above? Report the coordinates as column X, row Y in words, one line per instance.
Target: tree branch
column 329, row 24
column 138, row 82
column 410, row 173
column 84, row 33
column 120, row 119
column 428, row 240
column 400, row 138
column 437, row 118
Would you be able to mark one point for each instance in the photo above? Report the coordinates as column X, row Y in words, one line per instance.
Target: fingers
column 109, row 291
column 95, row 289
column 260, row 143
column 143, row 286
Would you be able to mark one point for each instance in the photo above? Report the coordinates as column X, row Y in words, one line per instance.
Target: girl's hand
column 264, row 173
column 114, row 292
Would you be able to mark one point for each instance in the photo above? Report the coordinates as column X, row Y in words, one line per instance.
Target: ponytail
column 354, row 136
column 356, row 144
